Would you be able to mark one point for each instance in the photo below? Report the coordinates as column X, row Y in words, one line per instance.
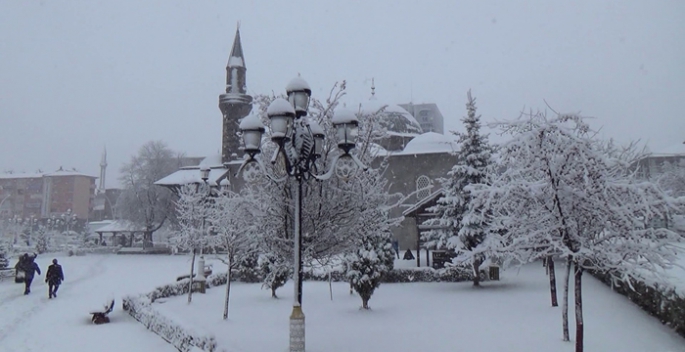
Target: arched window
column 423, row 186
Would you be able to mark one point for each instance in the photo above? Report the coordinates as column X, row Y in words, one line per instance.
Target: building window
column 423, row 186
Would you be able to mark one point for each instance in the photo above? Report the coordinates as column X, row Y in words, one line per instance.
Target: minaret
column 103, row 168
column 235, row 103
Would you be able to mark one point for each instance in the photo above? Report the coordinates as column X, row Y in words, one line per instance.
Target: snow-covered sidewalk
column 511, row 315
column 34, row 323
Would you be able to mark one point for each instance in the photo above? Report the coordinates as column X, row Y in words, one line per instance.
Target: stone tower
column 235, row 103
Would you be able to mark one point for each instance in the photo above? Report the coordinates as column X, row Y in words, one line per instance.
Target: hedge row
column 140, row 309
column 664, row 304
column 402, row 275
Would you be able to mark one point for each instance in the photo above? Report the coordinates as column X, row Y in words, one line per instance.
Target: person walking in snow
column 54, row 278
column 28, row 265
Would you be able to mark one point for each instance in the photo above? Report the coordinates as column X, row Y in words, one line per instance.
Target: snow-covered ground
column 34, row 323
column 510, row 315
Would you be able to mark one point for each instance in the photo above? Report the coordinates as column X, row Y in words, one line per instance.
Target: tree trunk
column 330, row 284
column 477, row 261
column 365, row 302
column 564, row 303
column 579, row 307
column 273, row 293
column 147, row 240
column 190, row 282
column 228, row 288
column 552, row 281
column 351, row 288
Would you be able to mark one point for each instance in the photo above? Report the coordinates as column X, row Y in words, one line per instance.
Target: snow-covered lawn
column 510, row 315
column 34, row 323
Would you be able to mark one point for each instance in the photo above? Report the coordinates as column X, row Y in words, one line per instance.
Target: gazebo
column 119, row 227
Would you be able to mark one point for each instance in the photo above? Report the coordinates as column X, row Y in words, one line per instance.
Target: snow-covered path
column 35, row 323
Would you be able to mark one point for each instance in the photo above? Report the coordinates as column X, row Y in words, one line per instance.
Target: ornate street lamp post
column 300, row 144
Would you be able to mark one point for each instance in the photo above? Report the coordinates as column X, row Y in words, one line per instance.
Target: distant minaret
column 103, row 168
column 235, row 103
column 373, row 89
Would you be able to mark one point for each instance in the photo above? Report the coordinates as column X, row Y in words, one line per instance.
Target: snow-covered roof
column 377, row 150
column 120, row 226
column 674, row 150
column 67, row 173
column 430, row 142
column 188, row 175
column 424, row 201
column 395, row 118
column 39, row 175
column 21, row 175
column 211, row 161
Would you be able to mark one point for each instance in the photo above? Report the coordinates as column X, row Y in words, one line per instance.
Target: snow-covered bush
column 367, row 265
column 275, row 272
column 5, row 253
column 140, row 308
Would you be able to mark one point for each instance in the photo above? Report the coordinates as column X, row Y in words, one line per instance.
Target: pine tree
column 463, row 226
column 366, row 266
column 42, row 240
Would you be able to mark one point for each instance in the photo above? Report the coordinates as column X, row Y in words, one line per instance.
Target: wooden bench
column 100, row 317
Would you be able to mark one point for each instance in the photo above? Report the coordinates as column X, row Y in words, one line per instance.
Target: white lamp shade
column 346, row 135
column 300, row 101
column 204, row 173
column 280, row 126
column 253, row 141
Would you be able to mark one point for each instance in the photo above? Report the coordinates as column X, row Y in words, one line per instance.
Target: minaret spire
column 235, row 103
column 103, row 170
column 373, row 89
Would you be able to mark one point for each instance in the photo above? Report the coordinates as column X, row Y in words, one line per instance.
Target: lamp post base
column 297, row 330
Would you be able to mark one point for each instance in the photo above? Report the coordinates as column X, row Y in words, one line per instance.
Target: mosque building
column 416, row 160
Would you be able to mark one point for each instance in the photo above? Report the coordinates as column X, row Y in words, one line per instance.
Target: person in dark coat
column 54, row 278
column 28, row 265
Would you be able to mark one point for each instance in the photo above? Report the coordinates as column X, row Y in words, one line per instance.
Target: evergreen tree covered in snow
column 464, row 226
column 276, row 272
column 42, row 239
column 372, row 259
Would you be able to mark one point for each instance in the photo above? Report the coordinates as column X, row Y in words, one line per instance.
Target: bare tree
column 142, row 202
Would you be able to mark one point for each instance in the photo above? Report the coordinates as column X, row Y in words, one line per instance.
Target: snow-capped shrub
column 275, row 273
column 367, row 265
column 5, row 253
column 184, row 340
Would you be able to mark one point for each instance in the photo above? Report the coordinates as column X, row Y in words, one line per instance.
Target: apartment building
column 42, row 195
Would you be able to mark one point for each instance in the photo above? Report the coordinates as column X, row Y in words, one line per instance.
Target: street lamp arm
column 330, row 171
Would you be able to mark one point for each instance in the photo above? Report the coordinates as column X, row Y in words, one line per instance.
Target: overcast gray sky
column 78, row 75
